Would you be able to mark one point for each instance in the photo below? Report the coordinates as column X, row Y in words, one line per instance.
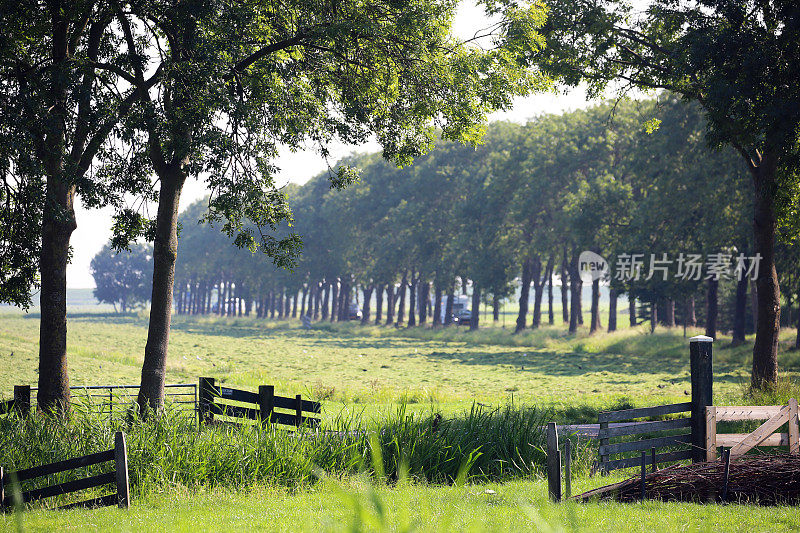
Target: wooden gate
column 741, row 443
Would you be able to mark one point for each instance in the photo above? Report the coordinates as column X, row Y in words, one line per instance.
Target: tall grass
column 172, row 452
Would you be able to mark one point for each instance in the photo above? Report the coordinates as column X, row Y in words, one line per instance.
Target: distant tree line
column 509, row 217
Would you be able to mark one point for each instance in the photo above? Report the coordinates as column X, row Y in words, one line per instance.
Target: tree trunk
column 524, row 295
column 631, row 309
column 326, row 298
column 711, row 308
column 365, row 311
column 595, row 318
column 437, row 306
column 53, row 394
column 402, row 303
column 378, row 304
column 653, row 316
column 612, row 310
column 302, row 302
column 316, row 292
column 550, row 315
column 495, row 308
column 574, row 287
column 448, row 306
column 424, row 300
column 334, row 299
column 389, row 304
column 692, row 313
column 669, row 319
column 765, row 347
column 165, row 252
column 580, row 297
column 476, row 307
column 536, row 320
column 412, row 301
column 564, row 288
column 740, row 311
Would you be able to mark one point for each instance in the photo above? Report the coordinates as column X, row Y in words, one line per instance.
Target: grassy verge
column 357, row 505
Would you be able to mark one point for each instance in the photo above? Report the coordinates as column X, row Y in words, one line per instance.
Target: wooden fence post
column 700, row 362
column 711, row 433
column 266, row 403
column 22, row 399
column 553, row 463
column 604, row 441
column 207, row 391
column 298, row 410
column 121, row 462
column 794, row 428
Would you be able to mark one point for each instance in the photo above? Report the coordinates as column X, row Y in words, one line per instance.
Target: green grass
column 357, row 505
column 356, row 368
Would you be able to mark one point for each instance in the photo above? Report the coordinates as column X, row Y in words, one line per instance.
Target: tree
column 241, row 79
column 123, row 277
column 739, row 60
column 60, row 105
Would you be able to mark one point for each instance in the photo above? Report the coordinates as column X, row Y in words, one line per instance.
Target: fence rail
column 118, row 476
column 740, row 443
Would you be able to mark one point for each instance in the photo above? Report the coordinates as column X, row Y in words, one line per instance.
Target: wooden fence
column 652, row 429
column 740, row 443
column 119, row 477
column 213, row 402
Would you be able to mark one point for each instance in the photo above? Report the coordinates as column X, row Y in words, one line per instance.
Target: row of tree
column 511, row 217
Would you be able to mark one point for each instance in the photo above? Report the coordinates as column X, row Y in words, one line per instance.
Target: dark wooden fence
column 119, row 477
column 213, row 402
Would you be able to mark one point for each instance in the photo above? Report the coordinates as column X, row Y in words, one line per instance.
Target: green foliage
column 123, row 277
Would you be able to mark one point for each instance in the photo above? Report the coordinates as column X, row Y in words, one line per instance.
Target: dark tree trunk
column 580, row 297
column 378, row 304
column 165, row 252
column 53, row 394
column 765, row 347
column 437, row 306
column 669, row 308
column 365, row 311
column 692, row 313
column 272, row 303
column 334, row 299
column 574, row 287
column 631, row 309
column 316, row 293
column 412, row 301
column 294, row 303
column 536, row 320
column 612, row 310
column 303, row 302
column 740, row 311
column 653, row 316
column 476, row 307
column 564, row 288
column 424, row 298
column 711, row 308
column 524, row 295
column 287, row 302
column 550, row 315
column 495, row 308
column 402, row 300
column 595, row 310
column 448, row 306
column 326, row 298
column 389, row 304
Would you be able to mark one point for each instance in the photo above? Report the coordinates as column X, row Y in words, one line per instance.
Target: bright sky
column 94, row 226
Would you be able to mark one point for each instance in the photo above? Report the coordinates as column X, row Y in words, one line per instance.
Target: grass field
column 370, row 369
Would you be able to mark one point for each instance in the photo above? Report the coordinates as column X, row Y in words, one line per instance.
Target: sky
column 94, row 226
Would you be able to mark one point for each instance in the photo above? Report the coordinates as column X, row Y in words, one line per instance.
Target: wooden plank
column 69, row 486
column 646, row 444
column 289, row 403
column 603, row 442
column 794, row 428
column 290, row 420
column 732, row 439
column 629, row 462
column 645, row 427
column 121, row 473
column 553, row 463
column 763, row 431
column 61, row 466
column 711, row 433
column 102, row 501
column 641, row 412
column 234, row 410
column 736, row 413
column 238, row 395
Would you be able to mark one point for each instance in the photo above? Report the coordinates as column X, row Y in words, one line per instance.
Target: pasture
column 365, row 373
